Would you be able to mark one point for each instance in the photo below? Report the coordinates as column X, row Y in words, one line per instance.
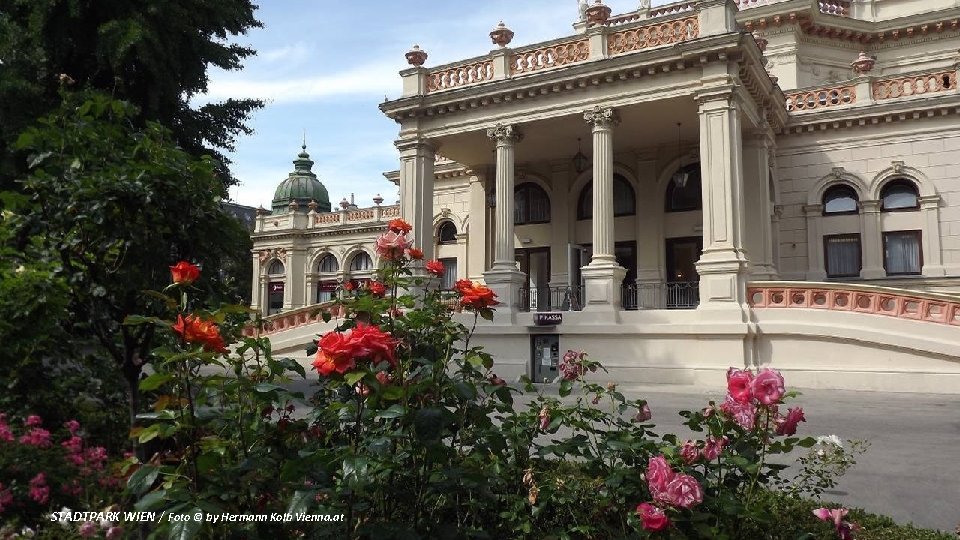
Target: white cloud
column 293, row 53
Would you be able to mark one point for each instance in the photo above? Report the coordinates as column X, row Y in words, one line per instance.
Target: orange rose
column 415, row 253
column 194, row 330
column 399, row 226
column 340, row 351
column 184, row 272
column 475, row 296
column 434, row 267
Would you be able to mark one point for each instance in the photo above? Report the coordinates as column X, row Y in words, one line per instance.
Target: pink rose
column 33, row 421
column 652, row 518
column 743, row 414
column 787, row 425
column 643, row 414
column 88, row 529
column 713, row 447
column 114, row 533
column 72, row 426
column 39, row 491
column 689, row 452
column 392, row 245
column 36, row 437
column 659, row 475
column 738, row 384
column 684, row 491
column 767, row 386
column 544, row 418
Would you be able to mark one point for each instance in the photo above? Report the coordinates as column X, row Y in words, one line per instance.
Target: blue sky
column 324, row 66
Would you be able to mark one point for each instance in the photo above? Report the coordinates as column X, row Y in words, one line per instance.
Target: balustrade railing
column 914, row 85
column 551, row 298
column 669, row 295
column 805, row 100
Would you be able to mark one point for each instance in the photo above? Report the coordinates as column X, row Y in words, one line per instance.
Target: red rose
column 738, row 384
column 184, row 273
column 194, row 330
column 434, row 267
column 415, row 253
column 652, row 518
column 399, row 226
column 334, row 354
column 377, row 288
column 348, row 285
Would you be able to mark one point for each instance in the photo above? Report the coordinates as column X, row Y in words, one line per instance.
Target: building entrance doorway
column 682, row 287
column 535, row 263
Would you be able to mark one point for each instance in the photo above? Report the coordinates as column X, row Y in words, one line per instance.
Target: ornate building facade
column 689, row 186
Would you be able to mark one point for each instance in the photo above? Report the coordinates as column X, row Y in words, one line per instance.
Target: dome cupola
column 301, row 186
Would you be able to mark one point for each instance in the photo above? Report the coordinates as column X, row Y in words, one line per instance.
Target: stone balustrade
column 459, row 76
column 889, row 302
column 841, row 8
column 358, row 215
column 671, row 9
column 295, row 318
column 821, row 98
column 652, row 35
column 527, row 60
column 914, row 85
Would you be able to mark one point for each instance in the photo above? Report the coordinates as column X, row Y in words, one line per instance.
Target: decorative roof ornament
column 598, row 13
column 344, row 203
column 762, row 42
column 416, row 56
column 501, row 35
column 313, row 205
column 261, row 211
column 378, row 200
column 863, row 64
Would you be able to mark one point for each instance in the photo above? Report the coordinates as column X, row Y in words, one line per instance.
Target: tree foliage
column 155, row 55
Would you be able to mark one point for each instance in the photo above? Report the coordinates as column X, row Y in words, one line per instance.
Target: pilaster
column 417, row 157
column 872, row 244
column 816, row 267
column 932, row 254
column 723, row 265
column 476, row 261
column 758, row 236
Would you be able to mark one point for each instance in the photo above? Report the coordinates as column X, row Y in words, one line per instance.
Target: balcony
column 635, row 296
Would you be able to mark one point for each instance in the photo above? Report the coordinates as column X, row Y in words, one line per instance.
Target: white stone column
column 417, row 157
column 816, row 266
column 256, row 294
column 296, row 277
column 476, row 261
column 872, row 241
column 650, row 233
column 603, row 276
column 723, row 265
column 504, row 278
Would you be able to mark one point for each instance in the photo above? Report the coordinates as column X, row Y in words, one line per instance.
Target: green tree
column 155, row 55
column 112, row 205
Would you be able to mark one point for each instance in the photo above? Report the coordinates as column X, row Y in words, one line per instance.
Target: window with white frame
column 449, row 277
column 899, row 195
column 840, row 199
column 902, row 252
column 842, row 255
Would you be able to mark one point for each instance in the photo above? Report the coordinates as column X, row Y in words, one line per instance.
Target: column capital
column 411, row 146
column 721, row 96
column 505, row 134
column 601, row 117
column 930, row 201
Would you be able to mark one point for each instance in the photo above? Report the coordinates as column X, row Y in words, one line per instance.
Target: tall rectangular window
column 902, row 254
column 842, row 255
column 449, row 273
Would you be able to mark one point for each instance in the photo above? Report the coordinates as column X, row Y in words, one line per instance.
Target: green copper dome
column 302, row 186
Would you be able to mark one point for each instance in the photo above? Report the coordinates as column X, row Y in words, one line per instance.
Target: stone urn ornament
column 863, row 64
column 416, row 56
column 378, row 200
column 598, row 13
column 762, row 42
column 501, row 36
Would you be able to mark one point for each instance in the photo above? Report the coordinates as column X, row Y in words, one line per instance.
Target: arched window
column 361, row 262
column 624, row 199
column 275, row 268
column 899, row 194
column 531, row 204
column 840, row 199
column 684, row 190
column 447, row 233
column 328, row 264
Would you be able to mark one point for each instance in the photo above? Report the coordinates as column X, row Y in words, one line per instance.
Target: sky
column 323, row 67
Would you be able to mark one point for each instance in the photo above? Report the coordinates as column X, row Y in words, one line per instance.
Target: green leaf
column 466, row 391
column 325, row 315
column 354, row 377
column 300, row 502
column 395, row 411
column 565, row 387
column 185, row 530
column 151, row 500
column 265, row 388
column 487, row 314
column 428, row 424
column 155, row 381
column 392, row 393
column 141, row 480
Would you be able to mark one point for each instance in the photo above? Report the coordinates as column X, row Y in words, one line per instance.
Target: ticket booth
column 545, row 357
